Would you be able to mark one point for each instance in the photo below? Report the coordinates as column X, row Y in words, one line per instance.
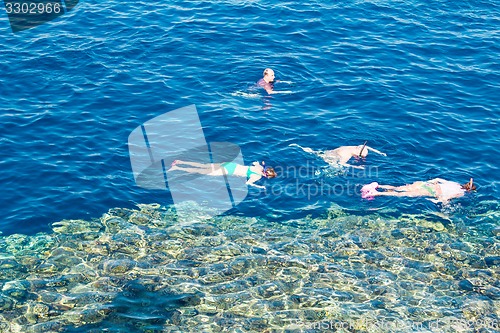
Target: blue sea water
column 418, row 80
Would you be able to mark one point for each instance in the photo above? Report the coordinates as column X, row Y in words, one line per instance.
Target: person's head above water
column 469, row 186
column 268, row 172
column 268, row 75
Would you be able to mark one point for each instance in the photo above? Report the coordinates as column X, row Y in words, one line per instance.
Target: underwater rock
column 243, row 274
column 139, row 218
column 466, row 285
column 398, row 234
column 378, row 304
column 48, row 326
column 73, row 227
column 419, row 265
column 114, row 224
column 476, row 308
column 491, row 292
column 6, row 303
column 118, row 266
column 63, row 258
column 475, row 261
column 200, row 229
column 88, row 315
column 372, row 256
column 492, row 261
column 255, row 324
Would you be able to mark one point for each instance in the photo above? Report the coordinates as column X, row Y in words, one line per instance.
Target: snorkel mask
column 264, row 173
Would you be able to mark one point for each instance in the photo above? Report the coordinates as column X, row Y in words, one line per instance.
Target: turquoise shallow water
column 418, row 80
column 142, row 270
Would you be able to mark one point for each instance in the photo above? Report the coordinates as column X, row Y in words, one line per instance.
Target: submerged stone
column 466, row 285
column 492, row 261
column 140, row 267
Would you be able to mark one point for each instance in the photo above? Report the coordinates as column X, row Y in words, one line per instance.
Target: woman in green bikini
column 440, row 189
column 254, row 172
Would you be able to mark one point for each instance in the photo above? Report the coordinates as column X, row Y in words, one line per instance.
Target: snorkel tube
column 471, row 184
column 362, row 148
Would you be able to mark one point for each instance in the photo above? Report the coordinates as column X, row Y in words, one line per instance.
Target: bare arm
column 306, row 149
column 280, row 92
column 444, row 200
column 376, row 151
column 253, row 179
column 352, row 166
column 436, row 201
column 437, row 180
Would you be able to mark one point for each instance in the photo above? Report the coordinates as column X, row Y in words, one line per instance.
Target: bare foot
column 173, row 166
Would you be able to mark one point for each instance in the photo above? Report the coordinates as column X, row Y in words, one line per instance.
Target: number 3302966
column 32, row 8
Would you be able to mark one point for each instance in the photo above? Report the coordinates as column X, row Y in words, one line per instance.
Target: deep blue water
column 418, row 80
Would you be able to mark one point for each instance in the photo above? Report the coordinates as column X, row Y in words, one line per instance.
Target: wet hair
column 266, row 71
column 270, row 173
column 469, row 186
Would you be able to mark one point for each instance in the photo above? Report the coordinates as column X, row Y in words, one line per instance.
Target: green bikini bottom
column 429, row 189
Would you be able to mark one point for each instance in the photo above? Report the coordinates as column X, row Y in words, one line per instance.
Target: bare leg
column 415, row 187
column 388, row 187
column 403, row 191
column 201, row 168
column 397, row 194
column 201, row 171
column 404, row 188
column 195, row 164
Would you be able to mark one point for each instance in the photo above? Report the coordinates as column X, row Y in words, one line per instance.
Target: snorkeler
column 341, row 155
column 254, row 172
column 267, row 81
column 440, row 189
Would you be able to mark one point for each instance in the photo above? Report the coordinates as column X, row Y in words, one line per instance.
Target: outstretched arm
column 442, row 199
column 306, row 149
column 376, row 151
column 252, row 180
column 269, row 90
column 280, row 92
column 436, row 201
column 437, row 180
column 352, row 166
